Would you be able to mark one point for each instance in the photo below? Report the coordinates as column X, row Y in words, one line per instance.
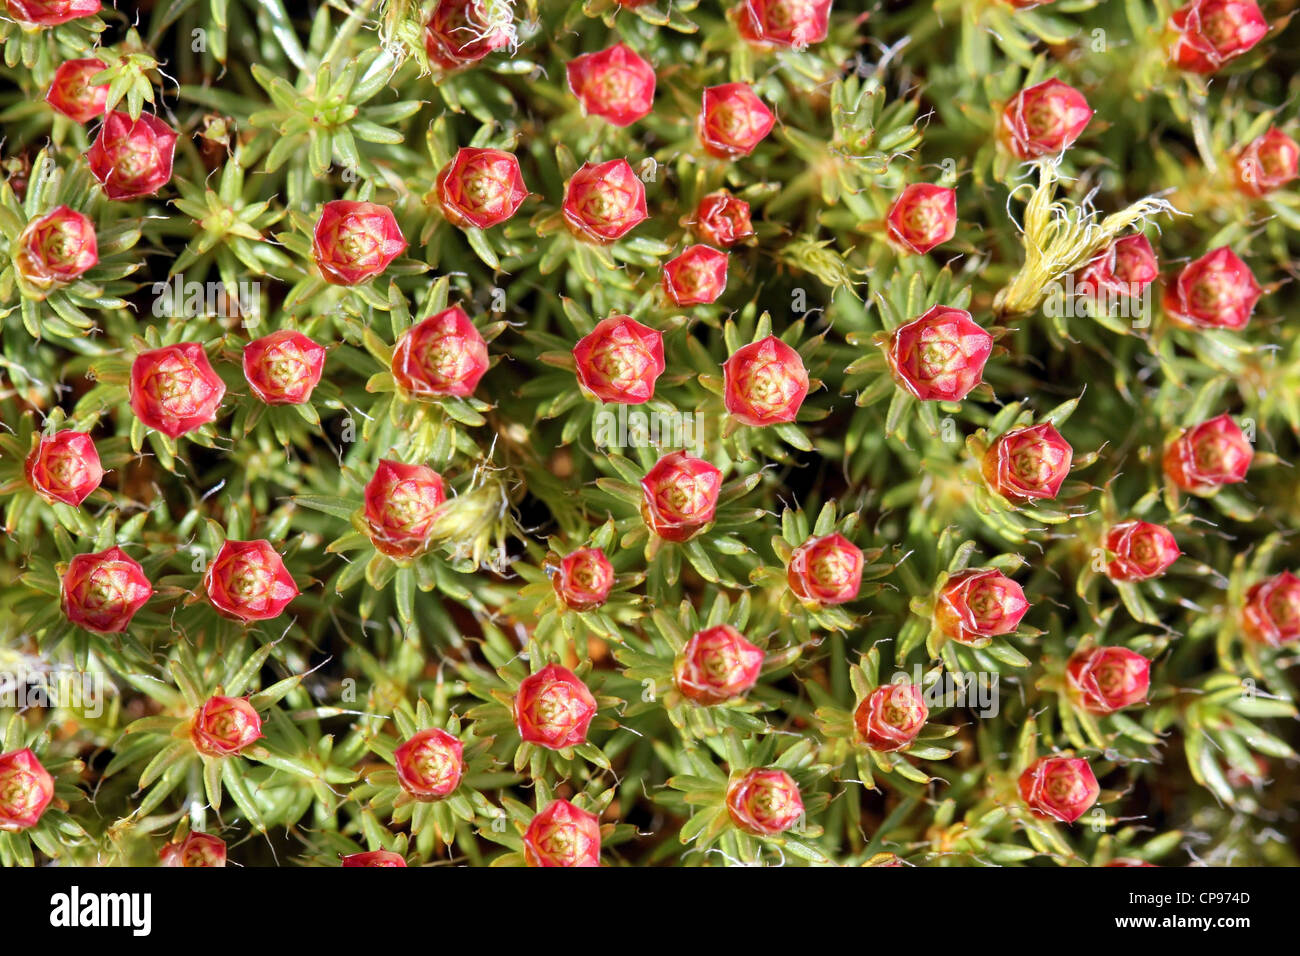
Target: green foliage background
column 282, row 109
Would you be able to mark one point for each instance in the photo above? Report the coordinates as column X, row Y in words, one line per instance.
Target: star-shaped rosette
column 212, row 725
column 53, row 475
column 928, row 357
column 967, row 616
column 347, row 252
column 821, row 573
column 885, row 724
column 577, row 592
column 409, row 529
column 1256, row 629
column 1018, row 471
column 435, row 766
column 606, row 379
column 543, row 720
column 235, row 582
column 555, row 832
column 600, row 226
column 430, row 375
column 707, row 670
column 285, row 384
column 1051, row 794
column 758, row 806
column 1135, row 551
column 1103, row 686
column 1015, row 28
column 97, row 599
column 858, row 173
column 168, row 388
column 684, row 497
column 764, row 386
column 69, row 257
column 231, row 239
column 475, row 199
column 37, row 788
column 1227, row 736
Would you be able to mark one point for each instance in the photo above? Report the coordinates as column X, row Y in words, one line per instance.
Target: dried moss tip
column 1061, row 235
column 476, row 525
